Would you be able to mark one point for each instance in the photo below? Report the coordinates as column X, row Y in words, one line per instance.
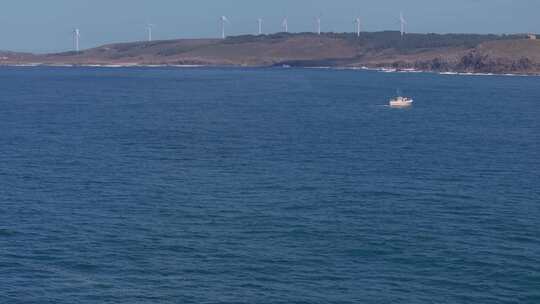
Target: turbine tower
column 318, row 24
column 260, row 22
column 224, row 21
column 76, row 37
column 402, row 22
column 358, row 23
column 149, row 28
column 285, row 25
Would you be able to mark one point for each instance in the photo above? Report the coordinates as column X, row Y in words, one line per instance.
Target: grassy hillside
column 386, row 39
column 462, row 52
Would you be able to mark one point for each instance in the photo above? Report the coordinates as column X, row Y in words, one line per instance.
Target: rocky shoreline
column 364, row 68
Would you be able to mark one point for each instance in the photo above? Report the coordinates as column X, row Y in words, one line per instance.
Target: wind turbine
column 318, row 24
column 358, row 23
column 76, row 37
column 224, row 21
column 402, row 22
column 149, row 28
column 260, row 22
column 285, row 25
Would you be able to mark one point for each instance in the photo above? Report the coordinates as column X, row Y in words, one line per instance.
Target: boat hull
column 400, row 104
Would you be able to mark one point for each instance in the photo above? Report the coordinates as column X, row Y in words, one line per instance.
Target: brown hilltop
column 449, row 52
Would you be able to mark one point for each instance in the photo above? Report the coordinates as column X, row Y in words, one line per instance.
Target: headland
column 463, row 53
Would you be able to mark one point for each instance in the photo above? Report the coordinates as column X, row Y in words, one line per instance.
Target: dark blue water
column 267, row 186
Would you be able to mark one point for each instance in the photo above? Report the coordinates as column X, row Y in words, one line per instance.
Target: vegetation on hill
column 437, row 52
column 376, row 41
column 475, row 61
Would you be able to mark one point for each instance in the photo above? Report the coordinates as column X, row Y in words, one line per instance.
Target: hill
column 448, row 52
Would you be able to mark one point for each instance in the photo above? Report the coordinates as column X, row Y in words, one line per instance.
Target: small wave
column 7, row 232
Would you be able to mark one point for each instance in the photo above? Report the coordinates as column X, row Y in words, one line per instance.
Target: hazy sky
column 46, row 25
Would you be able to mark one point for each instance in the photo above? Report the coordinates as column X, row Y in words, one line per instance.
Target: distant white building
column 532, row 36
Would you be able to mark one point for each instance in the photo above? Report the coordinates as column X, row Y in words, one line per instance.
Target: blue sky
column 46, row 25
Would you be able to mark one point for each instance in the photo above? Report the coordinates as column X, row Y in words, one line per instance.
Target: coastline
column 337, row 68
column 447, row 54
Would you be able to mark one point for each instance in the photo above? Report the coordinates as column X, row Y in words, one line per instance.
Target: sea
column 267, row 185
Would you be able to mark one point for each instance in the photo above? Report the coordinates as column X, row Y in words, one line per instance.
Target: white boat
column 401, row 102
